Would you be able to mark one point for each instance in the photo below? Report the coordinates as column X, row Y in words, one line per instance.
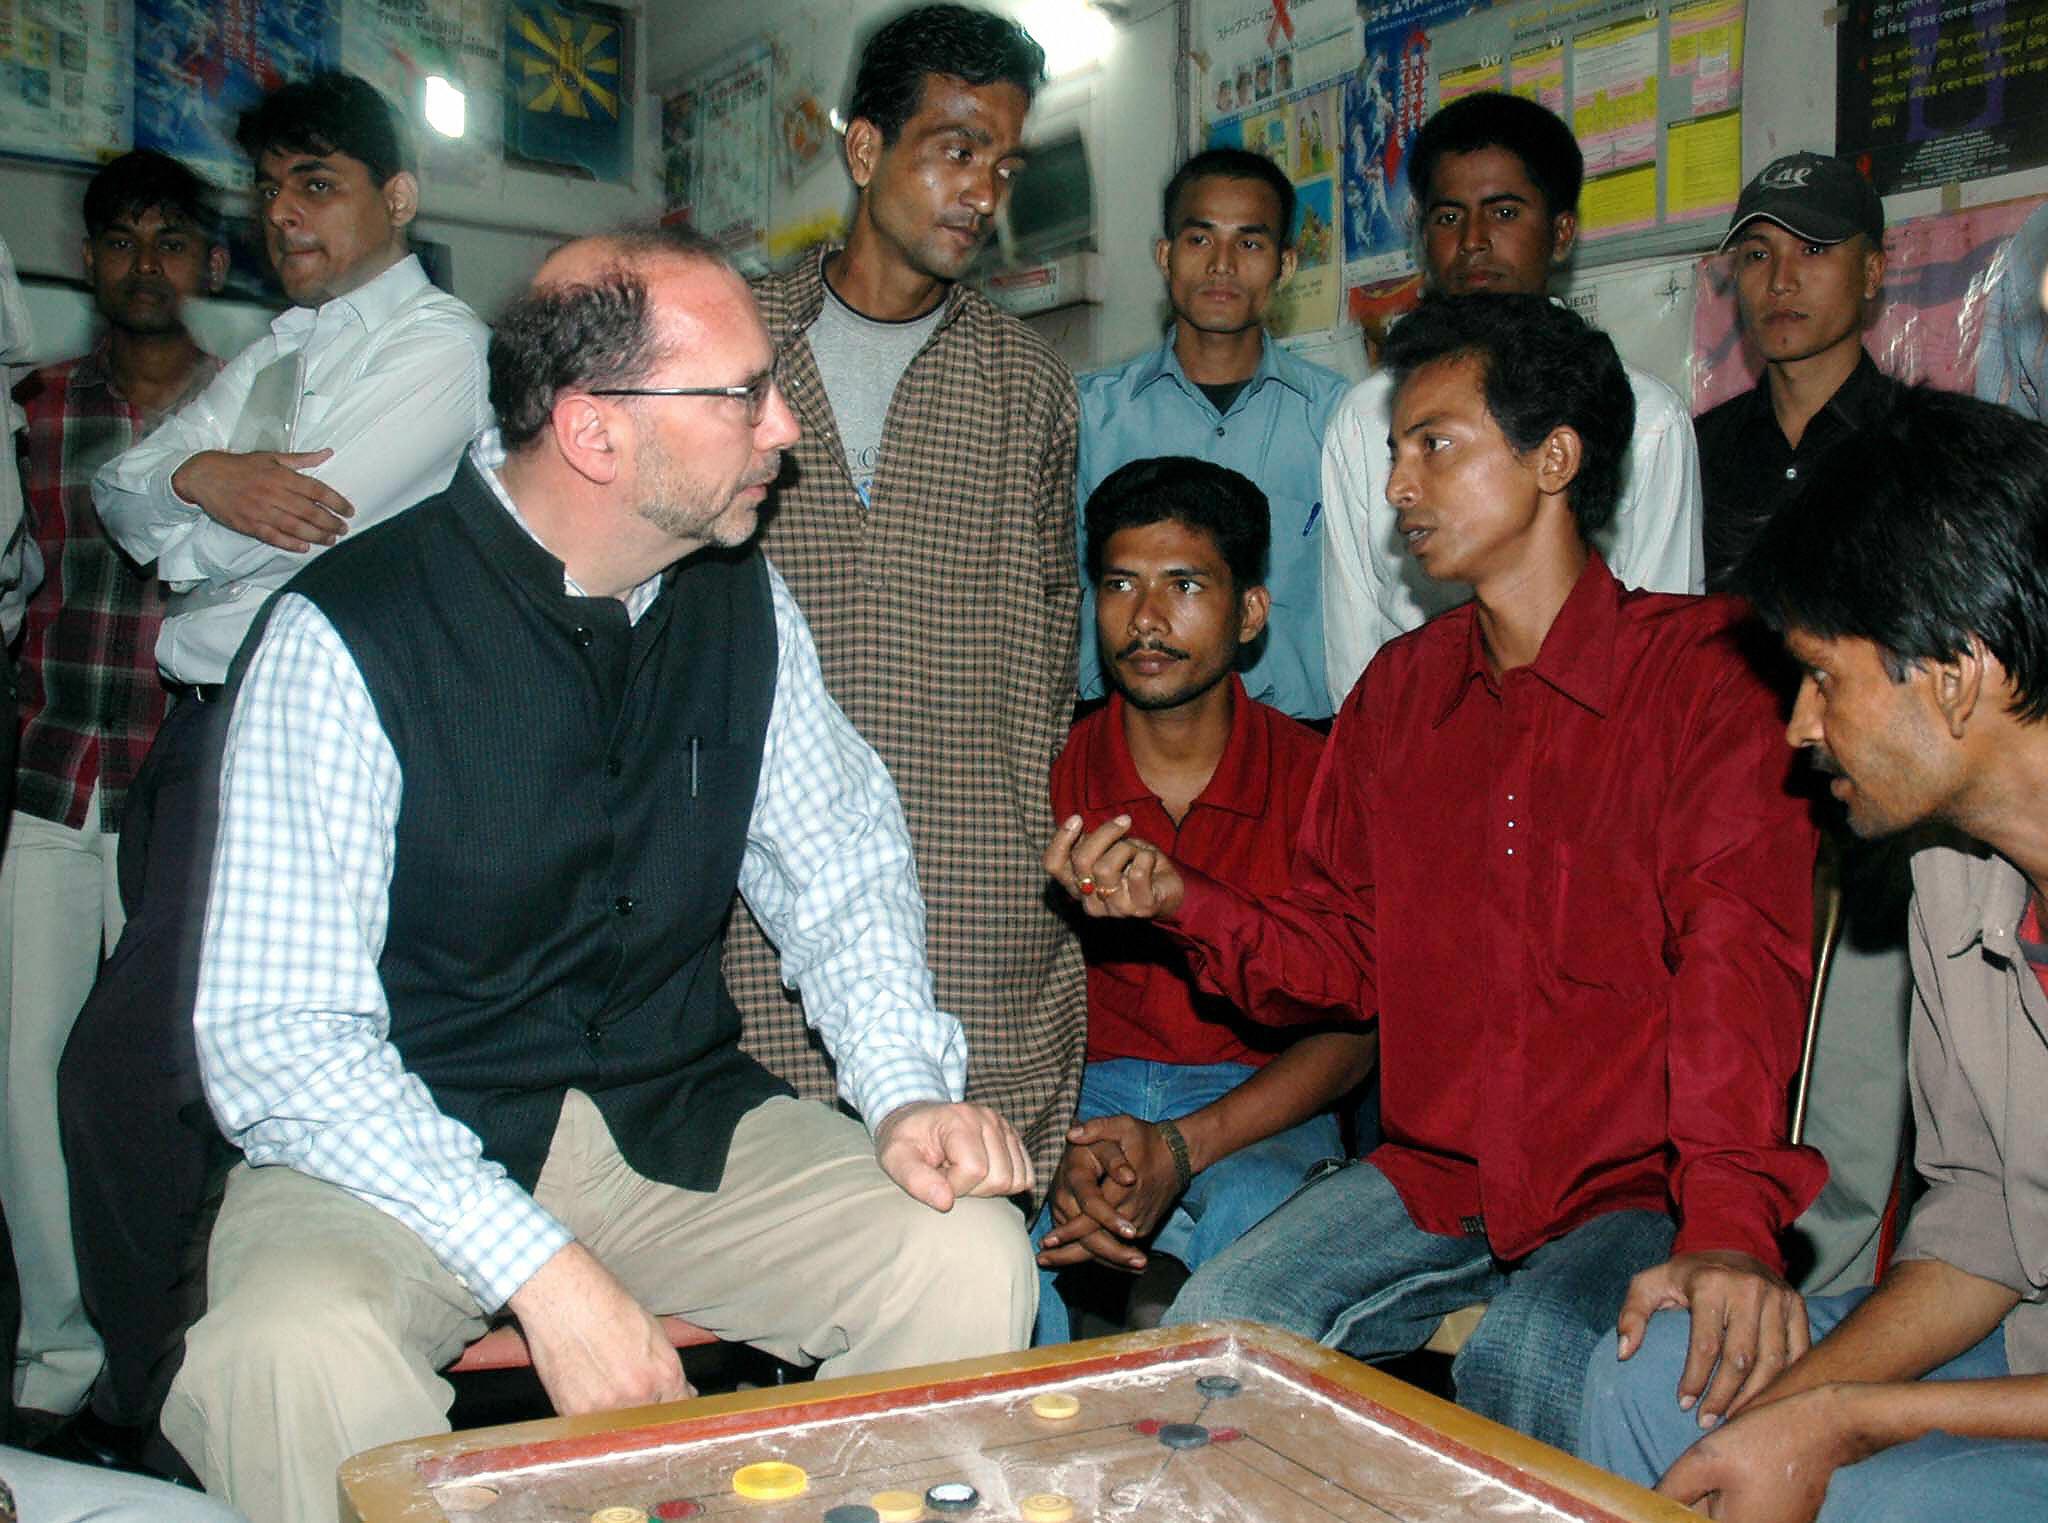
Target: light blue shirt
column 1272, row 434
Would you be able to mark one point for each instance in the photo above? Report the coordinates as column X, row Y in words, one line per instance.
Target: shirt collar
column 372, row 304
column 807, row 295
column 1995, row 899
column 1577, row 656
column 95, row 368
column 1239, row 783
column 1276, row 363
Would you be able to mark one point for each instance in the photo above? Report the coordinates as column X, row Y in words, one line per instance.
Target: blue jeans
column 1633, row 1427
column 1343, row 1263
column 1222, row 1202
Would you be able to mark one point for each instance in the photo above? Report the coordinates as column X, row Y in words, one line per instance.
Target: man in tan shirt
column 1911, row 587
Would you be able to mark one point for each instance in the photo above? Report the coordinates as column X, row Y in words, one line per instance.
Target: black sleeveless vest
column 576, row 792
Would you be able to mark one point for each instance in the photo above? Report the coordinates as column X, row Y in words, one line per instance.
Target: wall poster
column 67, row 78
column 718, row 149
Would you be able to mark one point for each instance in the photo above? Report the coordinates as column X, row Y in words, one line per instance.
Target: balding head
column 590, row 319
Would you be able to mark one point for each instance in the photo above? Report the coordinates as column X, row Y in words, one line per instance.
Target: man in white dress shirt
column 1496, row 181
column 536, row 1104
column 357, row 403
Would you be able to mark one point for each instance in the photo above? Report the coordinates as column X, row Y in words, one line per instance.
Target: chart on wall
column 200, row 63
column 718, row 148
column 1300, row 136
column 67, row 78
column 1653, row 92
column 1930, row 92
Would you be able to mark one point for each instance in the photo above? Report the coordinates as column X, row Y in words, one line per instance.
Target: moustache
column 1823, row 761
column 1153, row 646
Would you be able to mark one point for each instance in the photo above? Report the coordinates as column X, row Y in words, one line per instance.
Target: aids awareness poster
column 1937, row 274
column 1264, row 53
column 1930, row 92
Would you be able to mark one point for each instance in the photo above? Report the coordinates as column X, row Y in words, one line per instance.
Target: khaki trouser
column 327, row 1319
column 59, row 907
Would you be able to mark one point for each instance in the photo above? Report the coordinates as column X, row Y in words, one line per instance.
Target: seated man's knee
column 980, row 1243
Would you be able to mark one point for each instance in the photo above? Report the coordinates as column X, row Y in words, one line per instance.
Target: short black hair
column 146, row 181
column 595, row 333
column 954, row 40
column 1231, row 164
column 328, row 113
column 1542, row 367
column 1211, row 499
column 1928, row 528
column 1494, row 119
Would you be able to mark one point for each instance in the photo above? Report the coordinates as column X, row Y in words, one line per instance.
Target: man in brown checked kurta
column 928, row 533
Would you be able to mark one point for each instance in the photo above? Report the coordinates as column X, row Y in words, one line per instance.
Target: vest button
column 613, row 766
column 623, row 904
column 593, row 1033
column 581, row 636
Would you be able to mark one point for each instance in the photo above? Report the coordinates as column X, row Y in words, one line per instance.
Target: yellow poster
column 1703, row 170
column 1461, row 82
column 1706, row 47
column 1614, row 95
column 1538, row 74
column 1618, row 203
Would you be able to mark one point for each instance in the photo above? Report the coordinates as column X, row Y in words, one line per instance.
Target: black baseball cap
column 1812, row 196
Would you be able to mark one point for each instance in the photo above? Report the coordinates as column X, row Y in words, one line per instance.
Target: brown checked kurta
column 945, row 618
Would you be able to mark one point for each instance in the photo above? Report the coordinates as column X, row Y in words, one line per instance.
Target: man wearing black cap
column 1807, row 238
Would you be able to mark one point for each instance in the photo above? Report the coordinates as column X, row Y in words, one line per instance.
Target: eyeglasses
column 755, row 391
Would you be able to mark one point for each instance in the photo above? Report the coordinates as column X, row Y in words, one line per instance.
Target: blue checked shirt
column 291, row 1020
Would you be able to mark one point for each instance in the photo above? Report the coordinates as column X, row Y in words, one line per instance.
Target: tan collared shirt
column 1980, row 1087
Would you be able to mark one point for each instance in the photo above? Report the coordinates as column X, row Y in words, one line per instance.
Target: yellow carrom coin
column 618, row 1515
column 1055, row 1406
column 770, row 1481
column 1046, row 1507
column 897, row 1506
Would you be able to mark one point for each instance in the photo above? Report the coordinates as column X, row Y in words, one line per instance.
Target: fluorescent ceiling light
column 447, row 109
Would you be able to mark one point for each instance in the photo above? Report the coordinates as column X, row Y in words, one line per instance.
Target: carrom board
column 1282, row 1432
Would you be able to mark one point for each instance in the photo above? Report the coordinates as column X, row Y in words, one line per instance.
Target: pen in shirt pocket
column 1314, row 514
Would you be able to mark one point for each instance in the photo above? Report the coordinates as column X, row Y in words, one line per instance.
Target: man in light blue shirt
column 1218, row 388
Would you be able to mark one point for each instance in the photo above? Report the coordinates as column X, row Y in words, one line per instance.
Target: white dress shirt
column 292, row 1024
column 21, row 564
column 1374, row 590
column 393, row 382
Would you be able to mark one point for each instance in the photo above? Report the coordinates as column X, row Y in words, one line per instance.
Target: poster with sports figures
column 200, row 63
column 1933, row 91
column 67, row 78
column 1262, row 53
column 401, row 45
column 1937, row 274
column 718, row 149
column 1385, row 100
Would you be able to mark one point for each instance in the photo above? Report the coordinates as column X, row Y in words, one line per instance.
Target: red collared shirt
column 1142, row 1002
column 1579, row 898
column 90, row 699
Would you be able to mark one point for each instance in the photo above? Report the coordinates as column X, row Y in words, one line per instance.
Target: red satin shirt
column 1578, row 897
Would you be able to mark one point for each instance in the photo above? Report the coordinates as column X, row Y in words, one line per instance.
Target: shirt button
column 1219, row 430
column 1511, row 824
column 1511, row 851
column 623, row 904
column 581, row 636
column 1791, row 473
column 1511, row 798
column 613, row 766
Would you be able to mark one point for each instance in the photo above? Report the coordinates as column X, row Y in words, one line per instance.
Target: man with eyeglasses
column 460, row 1002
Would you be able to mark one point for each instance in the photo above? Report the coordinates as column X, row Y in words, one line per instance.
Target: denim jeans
column 1343, row 1263
column 1633, row 1427
column 1223, row 1201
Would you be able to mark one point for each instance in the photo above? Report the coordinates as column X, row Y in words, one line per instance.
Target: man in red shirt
column 1551, row 849
column 91, row 702
column 1195, row 1123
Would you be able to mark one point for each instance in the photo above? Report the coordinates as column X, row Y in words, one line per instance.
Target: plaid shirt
column 945, row 614
column 91, row 700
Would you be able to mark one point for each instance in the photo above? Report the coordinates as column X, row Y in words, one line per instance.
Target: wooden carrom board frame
column 393, row 1484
